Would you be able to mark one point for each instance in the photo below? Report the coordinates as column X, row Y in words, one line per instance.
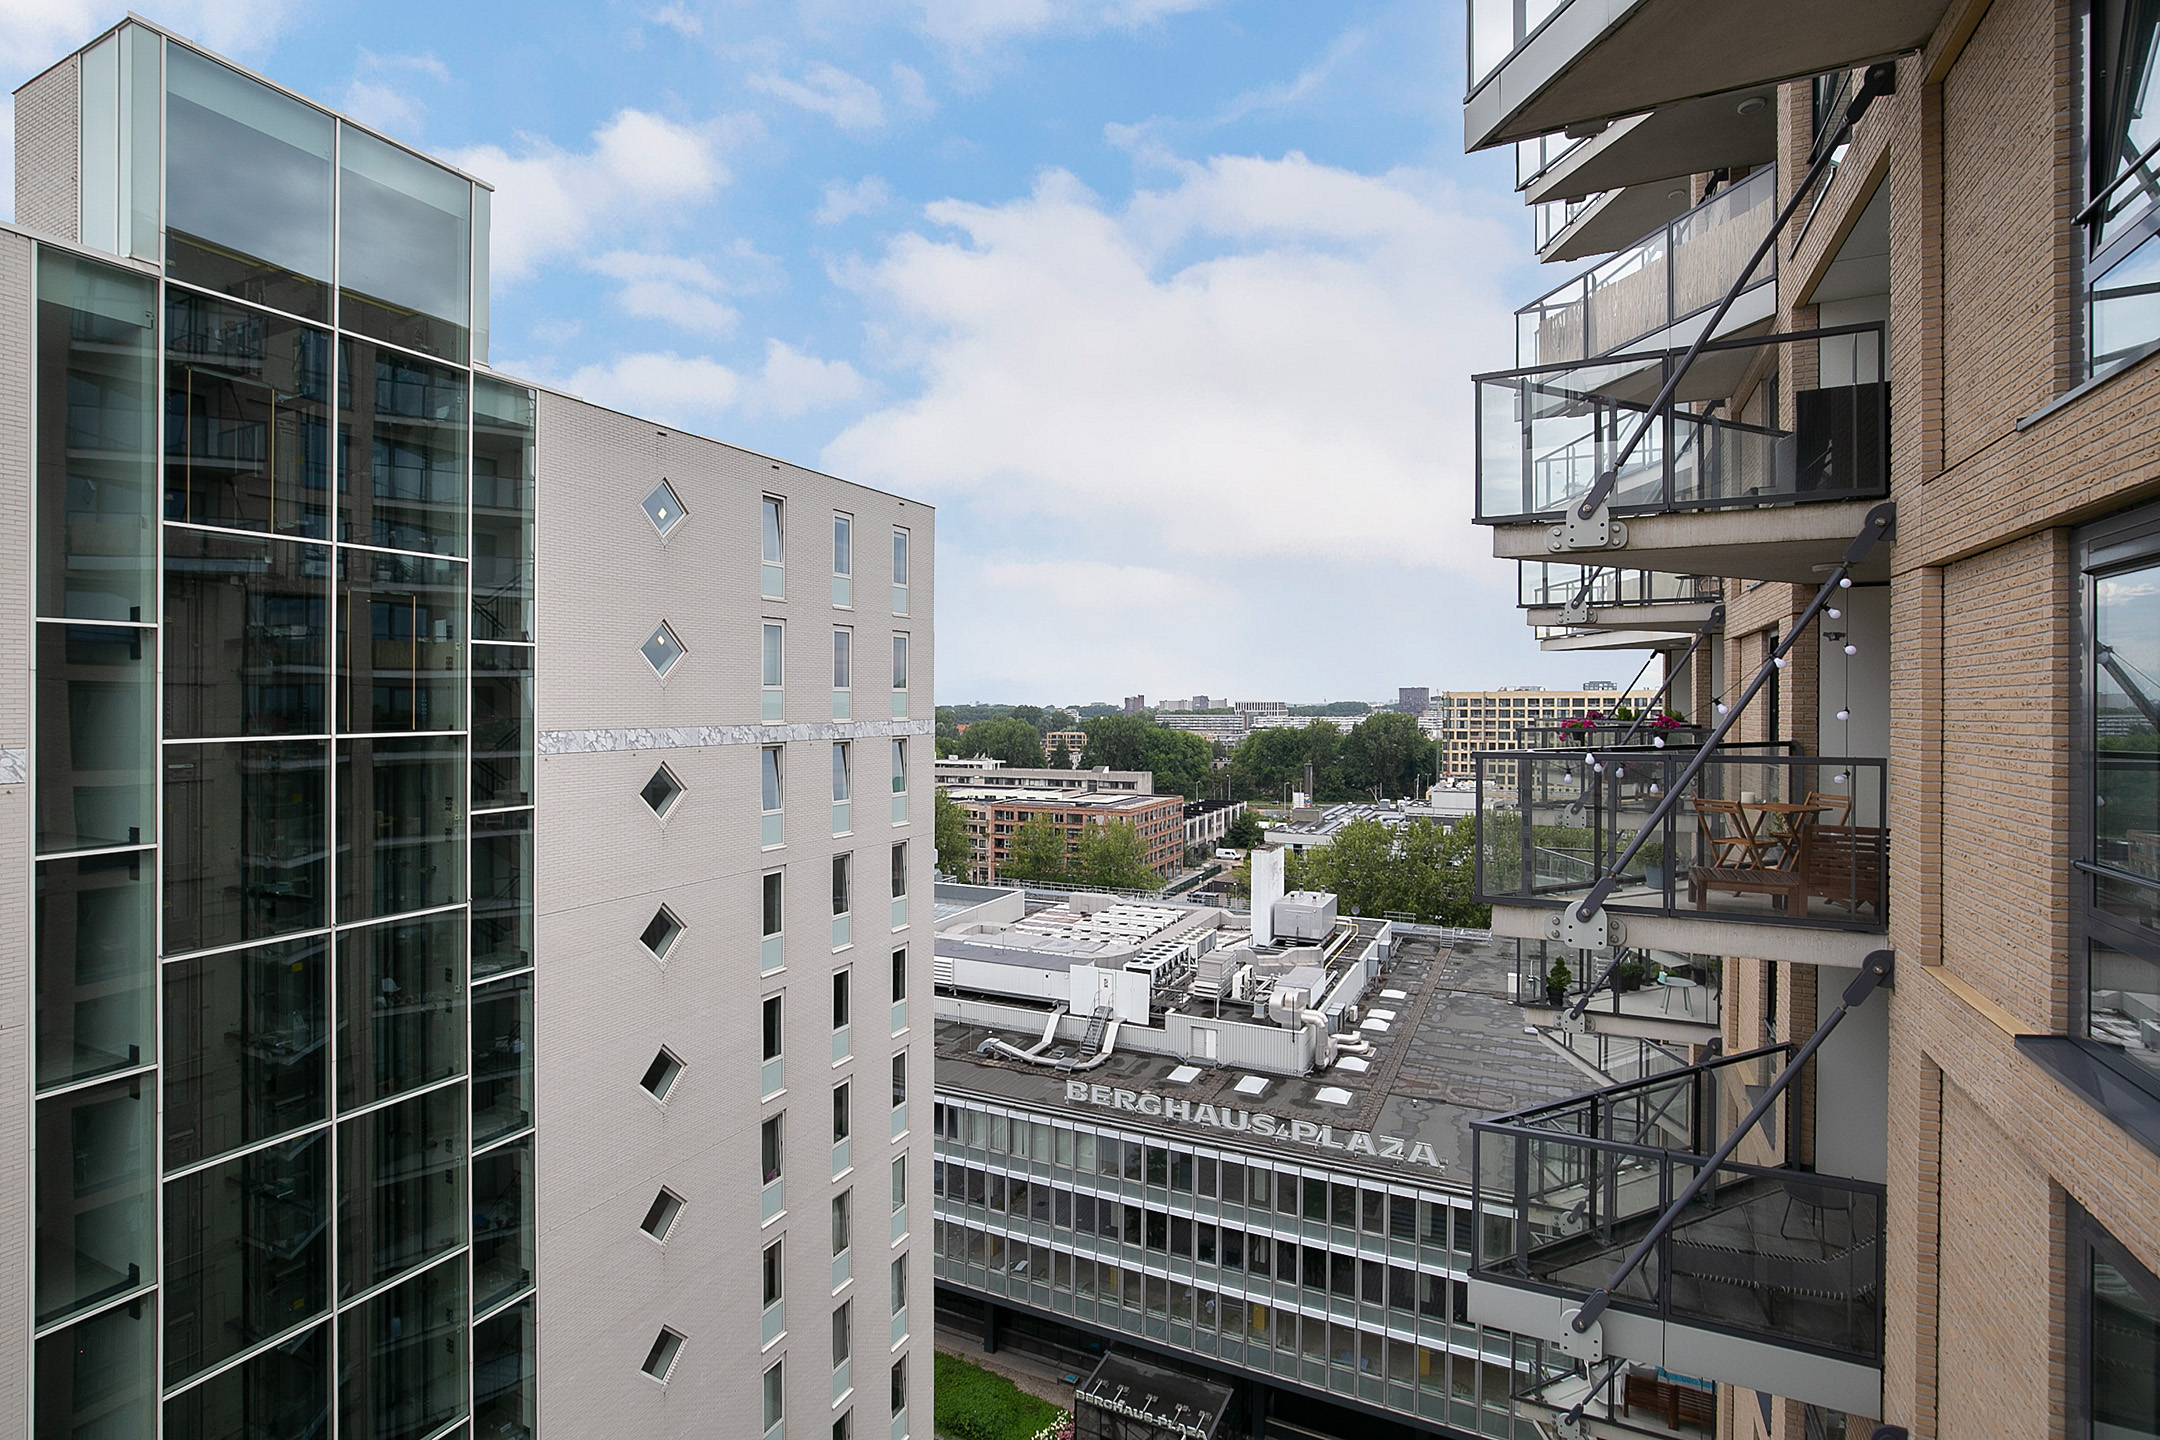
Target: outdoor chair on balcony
column 1738, row 847
column 1677, row 1405
column 1841, row 864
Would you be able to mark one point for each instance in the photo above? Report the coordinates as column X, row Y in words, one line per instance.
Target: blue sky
column 1168, row 305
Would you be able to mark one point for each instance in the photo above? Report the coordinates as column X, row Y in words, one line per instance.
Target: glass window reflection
column 502, row 503
column 401, row 660
column 247, row 187
column 401, row 1188
column 96, row 440
column 96, row 1239
column 401, row 826
column 502, row 1062
column 502, row 726
column 2126, row 721
column 246, row 1047
column 401, row 1358
column 401, row 1007
column 98, row 1377
column 247, row 418
column 502, row 892
column 244, row 839
column 247, row 1252
column 95, row 736
column 247, row 648
column 502, row 1237
column 404, row 247
column 95, row 941
column 505, row 1399
column 283, row 1391
column 402, row 448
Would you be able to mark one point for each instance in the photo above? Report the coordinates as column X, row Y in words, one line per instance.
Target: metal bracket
column 1574, row 614
column 1588, row 1344
column 1599, row 532
column 1596, row 933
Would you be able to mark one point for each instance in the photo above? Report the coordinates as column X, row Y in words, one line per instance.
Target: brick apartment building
column 1913, row 482
column 995, row 814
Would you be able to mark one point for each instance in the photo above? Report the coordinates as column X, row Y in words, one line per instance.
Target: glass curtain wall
column 283, row 907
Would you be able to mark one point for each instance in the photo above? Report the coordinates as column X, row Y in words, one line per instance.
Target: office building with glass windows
column 453, row 966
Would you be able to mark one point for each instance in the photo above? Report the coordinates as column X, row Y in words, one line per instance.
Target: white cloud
column 847, row 100
column 981, row 24
column 699, row 392
column 794, row 384
column 548, row 200
column 683, row 292
column 38, row 32
column 911, row 90
column 1295, row 375
column 676, row 18
column 866, row 196
column 383, row 106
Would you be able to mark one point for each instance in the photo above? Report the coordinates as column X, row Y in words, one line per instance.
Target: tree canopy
column 1013, row 741
column 1036, row 852
column 1113, row 856
column 1181, row 761
column 951, row 836
column 1420, row 868
column 1386, row 750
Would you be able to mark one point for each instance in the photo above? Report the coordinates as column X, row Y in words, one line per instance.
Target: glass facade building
column 282, row 768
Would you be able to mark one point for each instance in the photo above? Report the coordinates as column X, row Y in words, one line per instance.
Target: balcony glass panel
column 95, row 927
column 247, row 187
column 1498, row 29
column 247, row 643
column 96, row 733
column 1731, row 438
column 283, row 1391
column 1535, row 156
column 96, row 441
column 401, row 1189
column 1786, row 1256
column 247, row 1252
column 246, row 1046
column 1779, row 839
column 96, row 1237
column 247, row 418
column 401, row 1358
column 244, row 838
column 1676, row 271
column 1542, row 583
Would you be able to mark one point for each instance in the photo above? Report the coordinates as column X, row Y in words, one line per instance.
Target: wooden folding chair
column 1738, row 850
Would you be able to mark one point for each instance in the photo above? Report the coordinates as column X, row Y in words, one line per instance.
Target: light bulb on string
column 1833, row 612
column 1721, row 707
column 1844, row 714
column 1657, row 741
column 1779, row 662
column 1852, row 649
column 1845, row 582
column 1838, row 779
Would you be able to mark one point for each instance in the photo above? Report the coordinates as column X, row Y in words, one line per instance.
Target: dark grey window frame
column 2086, row 1239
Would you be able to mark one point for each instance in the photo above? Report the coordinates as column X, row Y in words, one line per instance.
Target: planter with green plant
column 1652, row 857
column 1557, row 981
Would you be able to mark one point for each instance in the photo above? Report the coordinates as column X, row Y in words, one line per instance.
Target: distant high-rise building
column 1134, row 704
column 1413, row 699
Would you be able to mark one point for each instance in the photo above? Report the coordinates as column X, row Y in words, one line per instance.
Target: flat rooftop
column 1455, row 1049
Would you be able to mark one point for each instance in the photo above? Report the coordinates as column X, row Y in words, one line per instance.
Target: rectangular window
column 772, row 574
column 661, row 1358
column 842, row 1112
column 775, row 912
column 899, row 1385
column 773, row 1273
column 2122, row 259
column 842, row 643
column 843, row 1222
column 899, row 767
column 840, row 999
column 97, row 737
column 401, row 1193
column 899, row 869
column 769, row 778
column 899, row 1182
column 769, row 1148
column 843, row 867
column 503, row 510
column 843, row 544
column 840, row 765
column 899, row 662
column 899, row 976
column 772, row 676
column 900, row 563
column 899, row 1284
column 773, row 1391
column 773, row 1033
column 404, row 247
column 842, row 1333
column 899, row 1079
column 2116, row 1329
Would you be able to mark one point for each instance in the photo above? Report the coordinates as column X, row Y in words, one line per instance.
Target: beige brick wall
column 48, row 151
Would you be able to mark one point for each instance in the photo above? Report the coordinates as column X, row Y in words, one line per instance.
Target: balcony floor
column 1792, row 543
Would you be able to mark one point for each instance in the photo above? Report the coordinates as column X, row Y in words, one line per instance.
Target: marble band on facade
column 691, row 737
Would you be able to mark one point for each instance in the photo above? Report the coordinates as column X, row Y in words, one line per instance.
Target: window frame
column 779, row 775
column 2086, row 1240
column 843, row 523
column 2099, row 258
column 766, row 629
column 843, row 657
column 767, row 912
column 772, row 1026
column 774, row 506
column 2114, row 545
column 843, row 997
column 902, row 662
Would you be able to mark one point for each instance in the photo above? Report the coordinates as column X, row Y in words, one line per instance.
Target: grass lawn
column 974, row 1404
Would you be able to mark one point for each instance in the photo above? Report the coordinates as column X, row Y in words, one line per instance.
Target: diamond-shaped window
column 662, row 791
column 664, row 508
column 660, row 932
column 662, row 649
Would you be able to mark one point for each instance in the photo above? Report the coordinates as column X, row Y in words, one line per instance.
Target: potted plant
column 1557, row 980
column 1628, row 976
column 1652, row 856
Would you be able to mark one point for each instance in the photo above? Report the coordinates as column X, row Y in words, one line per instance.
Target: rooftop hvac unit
column 1305, row 915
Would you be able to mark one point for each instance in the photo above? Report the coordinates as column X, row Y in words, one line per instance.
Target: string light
column 1779, row 662
column 1834, row 612
column 1657, row 741
column 1845, row 582
column 1844, row 714
column 1852, row 649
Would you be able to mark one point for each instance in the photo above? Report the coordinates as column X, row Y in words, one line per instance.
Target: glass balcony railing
column 1498, row 29
column 1542, row 583
column 1756, row 836
column 1535, row 156
column 1733, row 436
column 1767, row 1252
column 1547, row 220
column 1676, row 271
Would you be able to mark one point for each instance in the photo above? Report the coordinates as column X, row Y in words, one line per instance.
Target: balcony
column 1616, row 599
column 1777, row 856
column 1537, row 67
column 1603, row 221
column 1733, row 132
column 1771, row 1279
column 1644, row 295
column 1736, row 442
